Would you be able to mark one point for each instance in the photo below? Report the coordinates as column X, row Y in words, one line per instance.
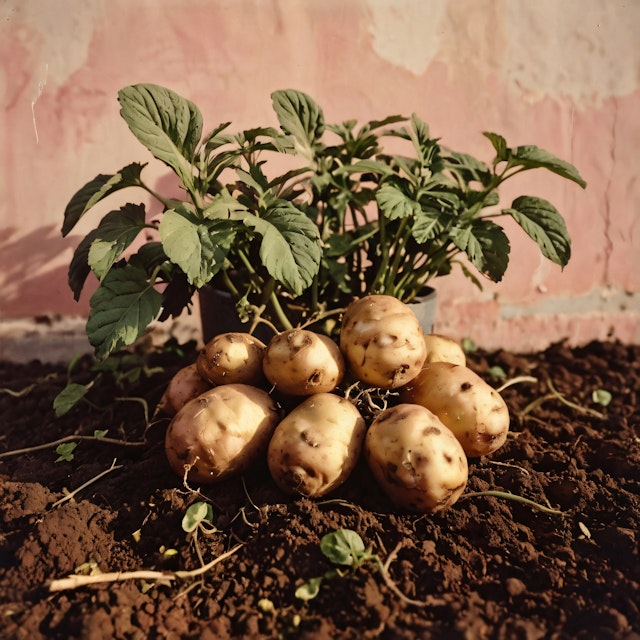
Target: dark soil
column 486, row 568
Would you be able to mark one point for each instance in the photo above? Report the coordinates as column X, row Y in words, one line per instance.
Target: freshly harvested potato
column 382, row 341
column 221, row 433
column 443, row 349
column 471, row 408
column 300, row 363
column 316, row 446
column 231, row 358
column 416, row 459
column 185, row 385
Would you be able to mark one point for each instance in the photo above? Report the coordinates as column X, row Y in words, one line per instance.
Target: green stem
column 512, row 496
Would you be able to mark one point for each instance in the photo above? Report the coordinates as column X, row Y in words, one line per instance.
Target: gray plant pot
column 218, row 314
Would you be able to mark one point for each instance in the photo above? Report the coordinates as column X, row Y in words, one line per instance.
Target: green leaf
column 290, row 248
column 533, row 157
column 499, row 144
column 195, row 514
column 309, row 590
column 224, row 206
column 97, row 189
column 426, row 225
column 121, row 309
column 300, row 117
column 65, row 451
column 198, row 248
column 542, row 222
column 116, row 231
column 79, row 266
column 69, row 397
column 344, row 547
column 601, row 396
column 394, row 203
column 486, row 246
column 167, row 124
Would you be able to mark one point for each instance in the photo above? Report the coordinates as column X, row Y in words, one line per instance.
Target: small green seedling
column 195, row 515
column 65, row 451
column 343, row 548
column 601, row 396
column 497, row 372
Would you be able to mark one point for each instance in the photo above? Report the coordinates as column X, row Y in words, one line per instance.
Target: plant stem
column 512, row 496
column 70, row 495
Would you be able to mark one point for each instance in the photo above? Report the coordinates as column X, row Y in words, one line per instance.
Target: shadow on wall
column 31, row 285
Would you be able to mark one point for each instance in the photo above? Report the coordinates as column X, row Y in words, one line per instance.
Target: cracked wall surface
column 562, row 75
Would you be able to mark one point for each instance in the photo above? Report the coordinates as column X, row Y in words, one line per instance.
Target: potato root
column 300, row 363
column 316, row 447
column 416, row 459
column 185, row 385
column 231, row 358
column 444, row 349
column 382, row 341
column 471, row 408
column 221, row 433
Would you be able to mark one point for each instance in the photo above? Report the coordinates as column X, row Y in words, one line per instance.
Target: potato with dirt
column 416, row 459
column 232, row 357
column 299, row 362
column 475, row 412
column 221, row 433
column 185, row 385
column 443, row 349
column 316, row 446
column 382, row 341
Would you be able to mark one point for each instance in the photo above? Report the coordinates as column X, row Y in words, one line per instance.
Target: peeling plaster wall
column 562, row 75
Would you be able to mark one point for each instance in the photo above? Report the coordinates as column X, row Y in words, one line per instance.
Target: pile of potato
column 242, row 400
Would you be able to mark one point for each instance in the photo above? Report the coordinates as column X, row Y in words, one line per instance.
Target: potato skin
column 221, row 433
column 475, row 412
column 185, row 385
column 316, row 447
column 231, row 358
column 443, row 349
column 416, row 460
column 382, row 341
column 301, row 363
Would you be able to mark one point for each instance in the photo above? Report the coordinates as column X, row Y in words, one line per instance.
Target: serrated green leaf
column 426, row 225
column 486, row 246
column 198, row 248
column 116, row 231
column 290, row 247
column 543, row 223
column 97, row 189
column 499, row 144
column 343, row 547
column 65, row 451
column 224, row 206
column 533, row 157
column 167, row 124
column 69, row 397
column 394, row 203
column 300, row 117
column 121, row 309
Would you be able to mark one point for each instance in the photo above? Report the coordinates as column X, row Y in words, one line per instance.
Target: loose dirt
column 487, row 568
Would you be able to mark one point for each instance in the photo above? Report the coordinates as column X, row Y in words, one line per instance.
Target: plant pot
column 218, row 313
column 424, row 306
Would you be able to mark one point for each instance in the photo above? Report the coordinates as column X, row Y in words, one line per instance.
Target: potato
column 221, row 433
column 443, row 349
column 316, row 447
column 416, row 459
column 471, row 408
column 185, row 385
column 232, row 358
column 382, row 341
column 301, row 363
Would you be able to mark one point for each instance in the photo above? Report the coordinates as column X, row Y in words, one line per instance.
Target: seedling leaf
column 343, row 547
column 309, row 590
column 69, row 397
column 601, row 396
column 65, row 451
column 195, row 514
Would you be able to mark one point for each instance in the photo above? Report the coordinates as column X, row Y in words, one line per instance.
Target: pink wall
column 564, row 76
